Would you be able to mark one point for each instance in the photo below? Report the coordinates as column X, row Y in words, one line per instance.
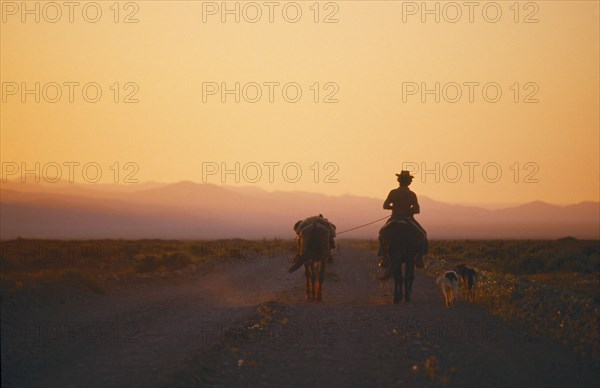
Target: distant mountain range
column 188, row 210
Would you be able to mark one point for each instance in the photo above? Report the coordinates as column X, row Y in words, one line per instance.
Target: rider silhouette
column 404, row 205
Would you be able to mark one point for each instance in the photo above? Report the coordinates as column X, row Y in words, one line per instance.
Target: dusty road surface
column 245, row 323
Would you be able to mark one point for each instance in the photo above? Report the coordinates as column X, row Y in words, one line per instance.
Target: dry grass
column 550, row 286
column 90, row 264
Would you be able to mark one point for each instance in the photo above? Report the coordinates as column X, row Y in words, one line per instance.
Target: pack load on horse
column 315, row 237
column 402, row 239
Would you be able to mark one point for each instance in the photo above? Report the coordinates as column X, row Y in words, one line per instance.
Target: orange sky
column 369, row 56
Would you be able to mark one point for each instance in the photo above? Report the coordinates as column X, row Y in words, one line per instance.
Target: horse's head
column 297, row 226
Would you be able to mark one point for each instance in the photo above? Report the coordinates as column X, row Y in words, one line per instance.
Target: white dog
column 448, row 282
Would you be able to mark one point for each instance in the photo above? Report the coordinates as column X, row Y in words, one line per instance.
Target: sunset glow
column 541, row 134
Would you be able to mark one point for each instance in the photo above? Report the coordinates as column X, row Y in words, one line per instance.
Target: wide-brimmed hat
column 404, row 174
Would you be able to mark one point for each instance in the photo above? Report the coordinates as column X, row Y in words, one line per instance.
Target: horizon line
column 488, row 205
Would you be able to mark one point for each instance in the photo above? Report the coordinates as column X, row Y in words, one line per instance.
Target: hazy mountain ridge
column 190, row 210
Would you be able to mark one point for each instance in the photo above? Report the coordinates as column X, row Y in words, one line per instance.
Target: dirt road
column 245, row 323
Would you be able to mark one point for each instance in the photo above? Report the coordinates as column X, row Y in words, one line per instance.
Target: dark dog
column 468, row 278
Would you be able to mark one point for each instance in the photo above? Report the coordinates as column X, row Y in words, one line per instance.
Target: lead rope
column 362, row 226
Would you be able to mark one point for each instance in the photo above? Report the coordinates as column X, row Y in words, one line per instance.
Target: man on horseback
column 404, row 205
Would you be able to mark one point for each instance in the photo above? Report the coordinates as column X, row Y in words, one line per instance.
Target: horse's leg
column 313, row 270
column 409, row 269
column 307, row 294
column 321, row 275
column 396, row 296
column 402, row 281
column 310, row 281
column 398, row 283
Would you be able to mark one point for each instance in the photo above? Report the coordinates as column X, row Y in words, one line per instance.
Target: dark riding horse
column 402, row 242
column 315, row 253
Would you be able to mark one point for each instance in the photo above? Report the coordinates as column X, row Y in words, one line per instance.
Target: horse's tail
column 308, row 242
column 395, row 264
column 401, row 243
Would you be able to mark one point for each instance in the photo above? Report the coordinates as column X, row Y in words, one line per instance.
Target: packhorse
column 315, row 243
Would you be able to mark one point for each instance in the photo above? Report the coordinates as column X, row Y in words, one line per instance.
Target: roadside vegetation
column 93, row 264
column 551, row 286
